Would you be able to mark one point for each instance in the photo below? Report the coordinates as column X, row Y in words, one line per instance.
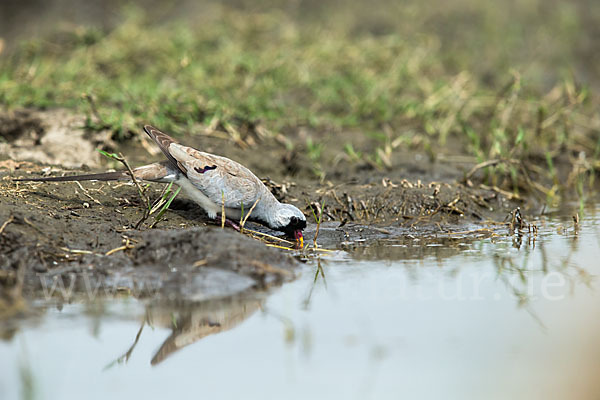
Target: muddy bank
column 194, row 264
column 82, row 235
column 69, row 239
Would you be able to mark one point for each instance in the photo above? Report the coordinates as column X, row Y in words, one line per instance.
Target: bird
column 211, row 181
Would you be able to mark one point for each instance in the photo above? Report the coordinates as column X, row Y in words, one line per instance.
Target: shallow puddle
column 411, row 318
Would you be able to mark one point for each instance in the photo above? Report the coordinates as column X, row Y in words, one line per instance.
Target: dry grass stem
column 75, row 251
column 279, row 247
column 245, row 217
column 86, row 193
column 5, row 224
column 160, row 201
column 126, row 246
column 145, row 200
column 200, row 263
column 250, row 231
column 223, row 210
column 480, row 230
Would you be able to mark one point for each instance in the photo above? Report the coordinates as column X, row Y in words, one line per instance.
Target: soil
column 79, row 236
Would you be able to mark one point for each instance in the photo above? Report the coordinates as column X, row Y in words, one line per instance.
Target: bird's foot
column 232, row 224
column 228, row 222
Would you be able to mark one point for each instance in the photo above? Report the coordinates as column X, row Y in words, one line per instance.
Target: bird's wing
column 219, row 178
column 164, row 141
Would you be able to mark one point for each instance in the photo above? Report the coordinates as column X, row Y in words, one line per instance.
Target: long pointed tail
column 157, row 172
column 104, row 176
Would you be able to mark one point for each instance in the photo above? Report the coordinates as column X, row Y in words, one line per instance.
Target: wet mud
column 79, row 237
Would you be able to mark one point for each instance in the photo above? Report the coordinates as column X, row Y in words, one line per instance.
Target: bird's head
column 291, row 220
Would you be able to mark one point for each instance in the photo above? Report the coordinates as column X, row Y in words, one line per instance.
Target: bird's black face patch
column 295, row 224
column 203, row 170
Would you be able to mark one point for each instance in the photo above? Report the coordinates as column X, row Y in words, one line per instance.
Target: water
column 462, row 320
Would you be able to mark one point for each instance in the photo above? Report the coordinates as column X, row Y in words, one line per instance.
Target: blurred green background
column 512, row 79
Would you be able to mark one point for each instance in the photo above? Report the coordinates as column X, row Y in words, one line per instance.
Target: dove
column 212, row 182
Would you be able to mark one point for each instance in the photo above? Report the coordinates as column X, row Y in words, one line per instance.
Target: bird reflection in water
column 190, row 322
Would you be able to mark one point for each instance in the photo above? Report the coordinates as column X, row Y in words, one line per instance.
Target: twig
column 488, row 163
column 200, row 263
column 113, row 251
column 319, row 208
column 119, row 157
column 125, row 357
column 28, row 222
column 5, row 224
column 245, row 218
column 90, row 99
column 318, row 272
column 479, row 166
column 126, row 246
column 223, row 210
column 279, row 247
column 480, row 230
column 323, row 250
column 134, row 179
column 269, row 236
column 508, row 195
column 85, row 192
column 75, row 251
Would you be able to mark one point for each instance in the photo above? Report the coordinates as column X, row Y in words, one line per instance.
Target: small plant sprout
column 318, row 219
column 164, row 202
column 160, row 205
column 315, row 151
column 354, row 155
column 119, row 157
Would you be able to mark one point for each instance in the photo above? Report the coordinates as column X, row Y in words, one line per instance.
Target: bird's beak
column 299, row 238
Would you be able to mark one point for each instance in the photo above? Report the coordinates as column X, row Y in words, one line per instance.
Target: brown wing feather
column 164, row 141
column 218, row 178
column 228, row 181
